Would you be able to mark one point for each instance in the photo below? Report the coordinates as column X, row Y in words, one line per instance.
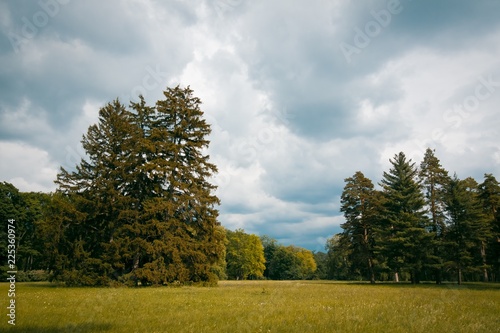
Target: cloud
column 292, row 113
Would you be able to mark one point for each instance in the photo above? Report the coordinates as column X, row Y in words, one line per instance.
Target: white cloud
column 28, row 168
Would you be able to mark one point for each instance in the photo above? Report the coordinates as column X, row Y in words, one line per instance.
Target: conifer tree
column 489, row 193
column 150, row 211
column 360, row 205
column 404, row 236
column 466, row 221
column 434, row 179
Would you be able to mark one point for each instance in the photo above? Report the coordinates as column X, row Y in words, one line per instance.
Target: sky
column 300, row 94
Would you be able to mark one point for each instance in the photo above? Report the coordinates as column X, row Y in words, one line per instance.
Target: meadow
column 256, row 306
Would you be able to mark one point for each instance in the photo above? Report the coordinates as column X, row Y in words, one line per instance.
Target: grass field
column 256, row 306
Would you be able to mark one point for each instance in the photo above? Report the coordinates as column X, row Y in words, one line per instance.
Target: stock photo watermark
column 12, row 271
column 455, row 116
column 483, row 91
column 32, row 25
column 372, row 29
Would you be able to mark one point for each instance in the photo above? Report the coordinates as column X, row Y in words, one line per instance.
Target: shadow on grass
column 447, row 285
column 74, row 328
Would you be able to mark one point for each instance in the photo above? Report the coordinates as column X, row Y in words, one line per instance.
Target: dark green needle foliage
column 405, row 226
column 147, row 210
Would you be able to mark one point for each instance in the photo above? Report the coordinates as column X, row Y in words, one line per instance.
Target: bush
column 32, row 276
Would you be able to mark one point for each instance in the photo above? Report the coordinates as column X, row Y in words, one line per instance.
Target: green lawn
column 256, row 306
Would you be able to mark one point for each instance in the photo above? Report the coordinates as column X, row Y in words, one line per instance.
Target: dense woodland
column 140, row 210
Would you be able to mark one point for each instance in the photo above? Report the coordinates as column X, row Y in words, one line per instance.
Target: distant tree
column 435, row 179
column 11, row 207
column 404, row 227
column 338, row 263
column 30, row 252
column 360, row 204
column 26, row 209
column 489, row 194
column 307, row 263
column 270, row 247
column 321, row 259
column 465, row 219
column 291, row 263
column 244, row 256
column 285, row 265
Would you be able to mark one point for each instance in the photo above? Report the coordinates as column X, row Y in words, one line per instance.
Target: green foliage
column 404, row 227
column 435, row 180
column 361, row 206
column 467, row 227
column 146, row 211
column 244, row 255
column 26, row 209
column 423, row 224
column 288, row 262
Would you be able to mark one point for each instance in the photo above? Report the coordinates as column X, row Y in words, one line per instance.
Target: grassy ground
column 256, row 306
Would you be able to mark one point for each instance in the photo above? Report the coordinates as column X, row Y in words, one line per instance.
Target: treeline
column 246, row 256
column 423, row 224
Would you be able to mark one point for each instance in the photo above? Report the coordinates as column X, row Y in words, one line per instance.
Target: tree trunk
column 372, row 273
column 483, row 256
column 459, row 275
column 439, row 276
column 396, row 277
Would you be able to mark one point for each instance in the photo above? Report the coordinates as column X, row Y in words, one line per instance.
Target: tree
column 270, row 246
column 321, row 259
column 307, row 263
column 360, row 205
column 25, row 209
column 338, row 263
column 288, row 262
column 148, row 208
column 434, row 179
column 489, row 194
column 404, row 227
column 465, row 219
column 245, row 255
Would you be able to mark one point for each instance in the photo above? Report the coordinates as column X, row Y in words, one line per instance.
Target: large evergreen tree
column 489, row 194
column 435, row 179
column 466, row 226
column 360, row 205
column 149, row 210
column 404, row 231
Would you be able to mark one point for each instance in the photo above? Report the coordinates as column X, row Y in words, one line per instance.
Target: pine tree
column 434, row 179
column 465, row 225
column 404, row 228
column 360, row 205
column 489, row 195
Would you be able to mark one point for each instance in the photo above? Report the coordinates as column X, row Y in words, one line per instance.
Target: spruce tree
column 149, row 210
column 434, row 179
column 489, row 194
column 404, row 231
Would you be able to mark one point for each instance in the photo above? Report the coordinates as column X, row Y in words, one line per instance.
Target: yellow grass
column 256, row 306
